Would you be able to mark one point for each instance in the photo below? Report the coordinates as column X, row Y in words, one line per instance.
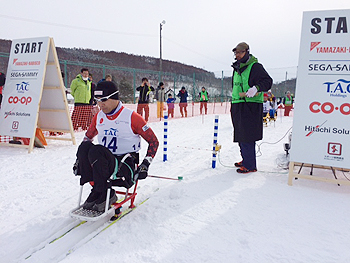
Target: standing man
column 81, row 91
column 93, row 87
column 145, row 89
column 249, row 80
column 287, row 103
column 183, row 101
column 160, row 99
column 203, row 98
column 119, row 131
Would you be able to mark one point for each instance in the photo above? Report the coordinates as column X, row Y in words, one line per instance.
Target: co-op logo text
column 21, row 89
column 329, row 107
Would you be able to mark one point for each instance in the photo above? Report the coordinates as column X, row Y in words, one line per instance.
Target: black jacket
column 144, row 94
column 247, row 117
column 2, row 79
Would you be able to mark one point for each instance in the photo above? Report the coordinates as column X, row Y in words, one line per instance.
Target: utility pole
column 160, row 57
column 285, row 83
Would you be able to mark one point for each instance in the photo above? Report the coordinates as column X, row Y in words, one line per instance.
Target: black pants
column 248, row 154
column 97, row 164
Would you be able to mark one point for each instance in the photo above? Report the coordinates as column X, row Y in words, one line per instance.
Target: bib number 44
column 111, row 145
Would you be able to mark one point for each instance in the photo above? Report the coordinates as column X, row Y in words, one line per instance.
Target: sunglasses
column 239, row 52
column 104, row 99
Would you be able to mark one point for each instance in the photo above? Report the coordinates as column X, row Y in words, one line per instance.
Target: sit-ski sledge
column 113, row 210
column 110, row 210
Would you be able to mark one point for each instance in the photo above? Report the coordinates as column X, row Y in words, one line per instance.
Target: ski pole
column 179, row 178
column 165, row 148
column 215, row 141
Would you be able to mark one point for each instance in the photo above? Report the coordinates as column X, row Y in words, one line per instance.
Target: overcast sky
column 200, row 33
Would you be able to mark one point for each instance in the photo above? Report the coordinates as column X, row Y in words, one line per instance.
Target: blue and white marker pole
column 165, row 149
column 216, row 129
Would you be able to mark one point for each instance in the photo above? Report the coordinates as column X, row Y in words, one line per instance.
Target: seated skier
column 119, row 131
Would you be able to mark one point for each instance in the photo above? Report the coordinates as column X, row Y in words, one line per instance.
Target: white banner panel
column 321, row 128
column 23, row 87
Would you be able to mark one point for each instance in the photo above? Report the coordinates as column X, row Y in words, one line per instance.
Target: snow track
column 71, row 241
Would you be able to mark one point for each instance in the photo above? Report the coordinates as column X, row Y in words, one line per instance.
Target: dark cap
column 183, row 88
column 105, row 88
column 243, row 46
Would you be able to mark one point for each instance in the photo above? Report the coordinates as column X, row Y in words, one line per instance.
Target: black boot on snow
column 100, row 204
column 91, row 200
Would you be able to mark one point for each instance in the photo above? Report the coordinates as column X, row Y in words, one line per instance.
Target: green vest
column 240, row 84
column 205, row 96
column 288, row 101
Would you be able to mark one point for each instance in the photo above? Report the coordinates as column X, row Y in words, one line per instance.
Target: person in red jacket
column 118, row 131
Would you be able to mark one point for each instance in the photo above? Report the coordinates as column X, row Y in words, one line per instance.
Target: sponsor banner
column 23, row 87
column 321, row 128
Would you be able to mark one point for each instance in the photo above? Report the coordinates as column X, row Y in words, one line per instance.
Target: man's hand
column 76, row 167
column 142, row 170
column 251, row 92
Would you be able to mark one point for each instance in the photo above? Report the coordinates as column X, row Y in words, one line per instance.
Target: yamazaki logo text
column 22, row 100
column 328, row 108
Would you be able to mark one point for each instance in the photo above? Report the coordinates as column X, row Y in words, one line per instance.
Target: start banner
column 321, row 128
column 23, row 88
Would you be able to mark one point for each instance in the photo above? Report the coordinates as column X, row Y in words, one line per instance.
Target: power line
column 106, row 31
column 194, row 51
column 76, row 27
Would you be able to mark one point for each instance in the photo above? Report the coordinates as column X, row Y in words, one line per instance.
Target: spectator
column 183, row 101
column 108, row 77
column 287, row 103
column 171, row 105
column 266, row 105
column 203, row 98
column 93, row 87
column 116, row 154
column 2, row 83
column 160, row 96
column 145, row 89
column 81, row 91
column 270, row 96
column 249, row 77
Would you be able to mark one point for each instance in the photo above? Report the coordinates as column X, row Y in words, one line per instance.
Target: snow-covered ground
column 212, row 215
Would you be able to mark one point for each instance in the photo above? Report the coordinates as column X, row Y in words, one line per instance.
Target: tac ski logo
column 111, row 131
column 339, row 88
column 22, row 87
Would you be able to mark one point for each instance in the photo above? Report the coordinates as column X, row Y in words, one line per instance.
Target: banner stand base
column 311, row 167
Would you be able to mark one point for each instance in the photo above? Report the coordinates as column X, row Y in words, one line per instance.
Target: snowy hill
column 212, row 215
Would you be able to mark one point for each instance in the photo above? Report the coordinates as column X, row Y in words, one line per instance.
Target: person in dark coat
column 183, row 101
column 249, row 81
column 143, row 101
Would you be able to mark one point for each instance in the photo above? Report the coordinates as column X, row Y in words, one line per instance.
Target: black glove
column 76, row 167
column 142, row 170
